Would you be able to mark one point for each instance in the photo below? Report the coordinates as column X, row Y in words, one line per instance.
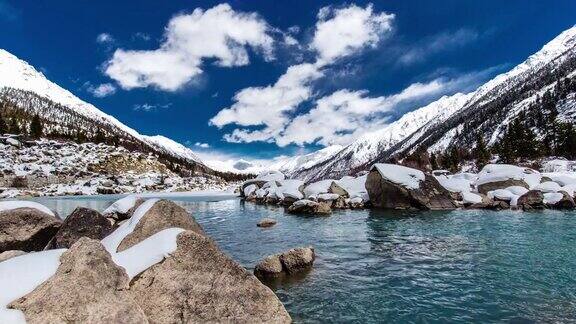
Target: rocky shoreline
column 60, row 168
column 391, row 186
column 139, row 261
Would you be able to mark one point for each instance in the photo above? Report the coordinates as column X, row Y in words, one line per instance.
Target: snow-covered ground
column 53, row 168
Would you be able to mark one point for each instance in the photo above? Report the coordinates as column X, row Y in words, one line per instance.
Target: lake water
column 401, row 267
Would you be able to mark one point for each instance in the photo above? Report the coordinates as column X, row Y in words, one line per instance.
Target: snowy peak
column 18, row 74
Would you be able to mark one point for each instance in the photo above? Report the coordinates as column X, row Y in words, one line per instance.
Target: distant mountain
column 457, row 120
column 285, row 164
column 26, row 92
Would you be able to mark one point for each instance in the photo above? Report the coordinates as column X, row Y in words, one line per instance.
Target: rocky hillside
column 545, row 79
column 54, row 168
column 26, row 93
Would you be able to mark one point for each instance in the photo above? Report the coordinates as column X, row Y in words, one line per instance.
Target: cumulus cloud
column 100, row 91
column 338, row 33
column 341, row 32
column 219, row 33
column 268, row 105
column 345, row 115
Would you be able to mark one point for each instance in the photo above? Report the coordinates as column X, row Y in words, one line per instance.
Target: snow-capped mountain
column 495, row 104
column 367, row 148
column 285, row 164
column 458, row 119
column 23, row 89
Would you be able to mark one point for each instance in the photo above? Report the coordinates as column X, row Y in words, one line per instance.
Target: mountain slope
column 495, row 104
column 367, row 148
column 26, row 92
column 458, row 119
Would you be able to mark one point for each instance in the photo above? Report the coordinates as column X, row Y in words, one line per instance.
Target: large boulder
column 198, row 283
column 287, row 263
column 305, row 206
column 88, row 287
column 26, row 229
column 162, row 215
column 83, row 222
column 533, row 199
column 399, row 187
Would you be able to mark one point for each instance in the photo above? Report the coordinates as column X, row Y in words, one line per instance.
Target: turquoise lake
column 374, row 266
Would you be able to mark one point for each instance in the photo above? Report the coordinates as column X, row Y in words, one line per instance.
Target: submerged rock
column 26, row 229
column 398, row 187
column 83, row 222
column 305, row 206
column 266, row 222
column 88, row 287
column 162, row 215
column 198, row 283
column 287, row 263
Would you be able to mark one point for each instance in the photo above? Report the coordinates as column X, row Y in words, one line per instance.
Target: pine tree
column 3, row 126
column 566, row 144
column 433, row 162
column 14, row 127
column 481, row 152
column 36, row 129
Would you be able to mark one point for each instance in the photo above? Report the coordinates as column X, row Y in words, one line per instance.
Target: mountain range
column 455, row 120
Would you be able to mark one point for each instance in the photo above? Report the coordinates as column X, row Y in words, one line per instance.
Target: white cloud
column 219, row 33
column 345, row 115
column 100, row 91
column 339, row 33
column 104, row 38
column 268, row 105
column 202, row 145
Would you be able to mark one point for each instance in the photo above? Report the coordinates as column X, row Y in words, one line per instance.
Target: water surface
column 394, row 267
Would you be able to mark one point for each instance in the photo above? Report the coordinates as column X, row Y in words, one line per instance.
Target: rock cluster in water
column 390, row 186
column 139, row 262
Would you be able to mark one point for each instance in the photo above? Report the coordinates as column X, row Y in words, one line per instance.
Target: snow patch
column 399, row 174
column 14, row 204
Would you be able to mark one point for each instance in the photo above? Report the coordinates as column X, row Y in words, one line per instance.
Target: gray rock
column 88, row 287
column 533, row 199
column 386, row 194
column 162, row 215
column 287, row 263
column 10, row 254
column 26, row 229
column 83, row 222
column 310, row 207
column 198, row 284
column 565, row 203
column 490, row 186
column 297, row 260
column 266, row 222
column 336, row 189
column 270, row 267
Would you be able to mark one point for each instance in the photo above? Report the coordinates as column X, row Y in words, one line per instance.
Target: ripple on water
column 399, row 267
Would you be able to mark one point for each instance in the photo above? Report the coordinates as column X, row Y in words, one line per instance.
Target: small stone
column 266, row 222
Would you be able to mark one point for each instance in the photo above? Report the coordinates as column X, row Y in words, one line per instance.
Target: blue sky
column 264, row 78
